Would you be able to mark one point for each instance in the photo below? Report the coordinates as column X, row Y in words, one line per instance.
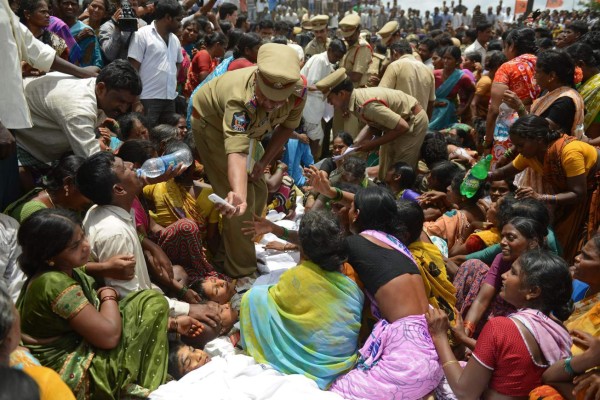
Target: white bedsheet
column 239, row 377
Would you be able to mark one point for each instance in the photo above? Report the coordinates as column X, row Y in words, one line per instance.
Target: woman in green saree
column 588, row 60
column 57, row 189
column 103, row 347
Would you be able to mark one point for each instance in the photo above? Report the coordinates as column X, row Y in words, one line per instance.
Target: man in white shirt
column 499, row 24
column 291, row 16
column 484, row 32
column 490, row 16
column 457, row 20
column 316, row 68
column 112, row 185
column 18, row 44
column 10, row 250
column 365, row 20
column 155, row 52
column 427, row 19
column 466, row 19
column 425, row 50
column 66, row 112
column 228, row 12
column 509, row 18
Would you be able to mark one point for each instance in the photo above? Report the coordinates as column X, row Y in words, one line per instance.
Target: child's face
column 468, row 64
column 498, row 189
column 229, row 316
column 452, row 196
column 389, row 177
column 189, row 359
column 218, row 290
column 182, row 126
column 434, row 183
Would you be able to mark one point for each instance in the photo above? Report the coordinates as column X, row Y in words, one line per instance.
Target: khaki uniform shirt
column 387, row 60
column 382, row 108
column 315, row 47
column 412, row 77
column 226, row 106
column 376, row 65
column 358, row 59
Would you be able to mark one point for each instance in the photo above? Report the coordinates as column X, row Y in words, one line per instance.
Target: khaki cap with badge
column 349, row 24
column 388, row 31
column 319, row 22
column 278, row 73
column 332, row 80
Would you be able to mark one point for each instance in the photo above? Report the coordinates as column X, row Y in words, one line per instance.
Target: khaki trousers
column 237, row 254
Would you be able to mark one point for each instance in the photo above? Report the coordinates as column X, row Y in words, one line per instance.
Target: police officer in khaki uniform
column 359, row 54
column 410, row 75
column 395, row 119
column 305, row 23
column 230, row 114
column 390, row 34
column 321, row 41
column 357, row 60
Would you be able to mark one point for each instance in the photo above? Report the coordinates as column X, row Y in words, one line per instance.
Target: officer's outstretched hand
column 239, row 205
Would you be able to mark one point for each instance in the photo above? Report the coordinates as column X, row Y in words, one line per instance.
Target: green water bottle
column 476, row 176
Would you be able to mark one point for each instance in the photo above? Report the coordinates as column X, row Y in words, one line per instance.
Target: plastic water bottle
column 503, row 123
column 157, row 166
column 470, row 185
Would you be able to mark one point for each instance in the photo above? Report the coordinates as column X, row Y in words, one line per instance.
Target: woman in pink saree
column 399, row 359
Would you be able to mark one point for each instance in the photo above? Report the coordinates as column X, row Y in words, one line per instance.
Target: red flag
column 554, row 3
column 520, row 6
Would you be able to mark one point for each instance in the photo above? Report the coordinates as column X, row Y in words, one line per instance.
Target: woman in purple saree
column 398, row 361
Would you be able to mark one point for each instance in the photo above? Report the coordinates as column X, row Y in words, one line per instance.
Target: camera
column 127, row 22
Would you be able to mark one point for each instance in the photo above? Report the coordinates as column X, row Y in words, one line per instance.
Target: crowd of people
column 361, row 124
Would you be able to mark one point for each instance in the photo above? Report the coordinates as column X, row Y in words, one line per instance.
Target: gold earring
column 51, row 263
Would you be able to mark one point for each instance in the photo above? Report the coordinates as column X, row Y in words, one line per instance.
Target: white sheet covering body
column 239, row 377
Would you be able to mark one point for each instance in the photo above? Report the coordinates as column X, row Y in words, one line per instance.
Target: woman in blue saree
column 308, row 322
column 454, row 91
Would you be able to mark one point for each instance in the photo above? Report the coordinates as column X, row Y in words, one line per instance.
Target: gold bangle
column 448, row 363
column 107, row 298
column 102, row 289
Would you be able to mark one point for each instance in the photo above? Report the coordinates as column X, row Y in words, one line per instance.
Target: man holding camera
column 114, row 40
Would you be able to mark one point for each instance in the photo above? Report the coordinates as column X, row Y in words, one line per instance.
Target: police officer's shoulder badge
column 240, row 121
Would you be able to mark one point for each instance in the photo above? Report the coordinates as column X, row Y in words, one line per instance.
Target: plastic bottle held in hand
column 155, row 167
column 503, row 123
column 476, row 176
